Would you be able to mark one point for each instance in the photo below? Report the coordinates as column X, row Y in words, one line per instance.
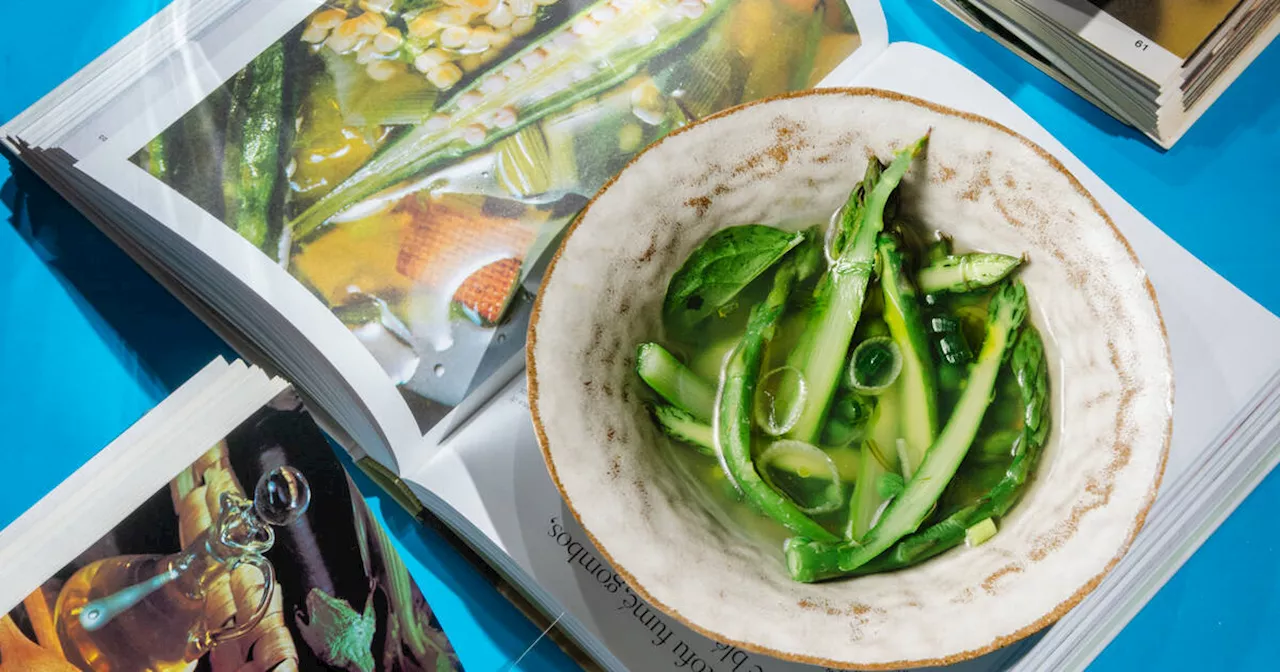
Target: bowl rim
column 1047, row 619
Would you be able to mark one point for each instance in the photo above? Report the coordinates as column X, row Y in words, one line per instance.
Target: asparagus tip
column 921, row 143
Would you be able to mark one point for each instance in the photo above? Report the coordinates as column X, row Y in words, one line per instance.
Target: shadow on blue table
column 147, row 327
column 141, row 320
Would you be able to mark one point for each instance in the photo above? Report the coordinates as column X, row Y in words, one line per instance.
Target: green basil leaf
column 719, row 269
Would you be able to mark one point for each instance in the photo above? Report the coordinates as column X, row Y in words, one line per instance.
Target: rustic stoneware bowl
column 795, row 158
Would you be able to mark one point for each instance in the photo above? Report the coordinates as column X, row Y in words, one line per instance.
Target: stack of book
column 1156, row 65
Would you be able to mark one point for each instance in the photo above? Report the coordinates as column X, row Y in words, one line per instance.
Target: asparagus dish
column 857, row 391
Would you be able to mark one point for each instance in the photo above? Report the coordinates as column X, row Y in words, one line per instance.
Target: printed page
column 291, row 570
column 1179, row 27
column 1146, row 35
column 393, row 178
column 155, row 102
column 1085, row 73
column 968, row 12
column 492, row 471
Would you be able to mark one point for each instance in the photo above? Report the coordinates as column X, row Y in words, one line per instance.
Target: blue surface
column 89, row 342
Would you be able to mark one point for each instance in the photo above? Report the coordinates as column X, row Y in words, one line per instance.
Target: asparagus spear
column 733, row 417
column 157, row 157
column 878, row 459
column 810, row 559
column 253, row 142
column 855, row 205
column 965, row 272
column 917, row 390
column 662, row 372
column 822, row 348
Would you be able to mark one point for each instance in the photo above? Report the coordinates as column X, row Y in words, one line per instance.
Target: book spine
column 392, row 485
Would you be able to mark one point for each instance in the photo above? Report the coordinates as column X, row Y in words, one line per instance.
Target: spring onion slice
column 767, row 408
column 875, row 364
column 806, row 461
column 980, row 533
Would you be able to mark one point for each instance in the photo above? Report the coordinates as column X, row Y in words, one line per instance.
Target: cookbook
column 363, row 197
column 220, row 532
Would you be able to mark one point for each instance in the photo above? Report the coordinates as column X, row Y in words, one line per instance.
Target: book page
column 1015, row 19
column 404, row 172
column 493, row 474
column 1097, row 26
column 176, row 84
column 1180, row 27
column 288, row 566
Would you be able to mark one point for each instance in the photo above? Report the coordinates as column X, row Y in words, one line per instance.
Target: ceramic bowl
column 794, row 158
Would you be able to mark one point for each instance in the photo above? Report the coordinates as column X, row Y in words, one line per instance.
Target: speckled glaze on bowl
column 795, row 158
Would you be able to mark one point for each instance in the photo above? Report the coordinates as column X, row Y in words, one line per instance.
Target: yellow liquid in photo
column 155, row 635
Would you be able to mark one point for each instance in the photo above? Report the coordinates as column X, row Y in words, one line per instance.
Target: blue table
column 89, row 342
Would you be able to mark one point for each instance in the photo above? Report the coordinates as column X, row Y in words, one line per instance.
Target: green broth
column 705, row 353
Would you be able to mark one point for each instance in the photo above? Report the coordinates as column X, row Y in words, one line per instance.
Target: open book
column 220, row 532
column 1156, row 65
column 378, row 240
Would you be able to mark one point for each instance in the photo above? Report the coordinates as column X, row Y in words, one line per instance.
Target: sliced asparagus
column 823, row 345
column 685, row 428
column 868, row 498
column 675, row 382
column 980, row 533
column 965, row 272
column 688, row 430
column 918, row 393
column 814, row 559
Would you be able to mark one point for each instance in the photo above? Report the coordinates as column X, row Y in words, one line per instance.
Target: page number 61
column 1141, row 45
